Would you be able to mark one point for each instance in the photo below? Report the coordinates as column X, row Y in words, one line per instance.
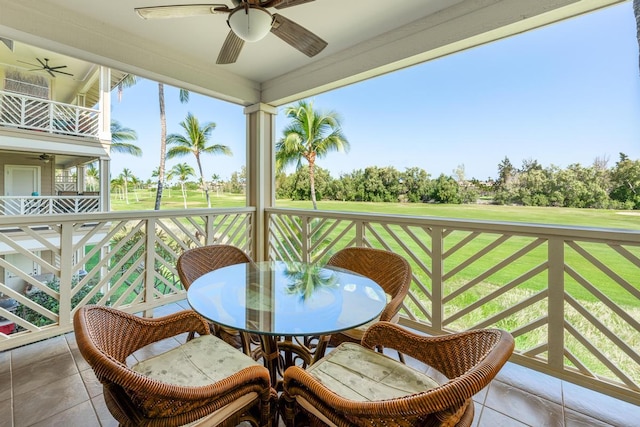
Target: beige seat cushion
column 203, row 360
column 356, row 373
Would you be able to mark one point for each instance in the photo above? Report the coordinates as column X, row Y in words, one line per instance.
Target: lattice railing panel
column 569, row 296
column 49, row 116
column 51, row 268
column 602, row 294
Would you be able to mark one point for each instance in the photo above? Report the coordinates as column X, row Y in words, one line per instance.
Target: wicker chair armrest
column 104, row 347
column 453, row 355
column 392, row 308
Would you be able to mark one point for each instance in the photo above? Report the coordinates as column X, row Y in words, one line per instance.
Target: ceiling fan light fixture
column 250, row 23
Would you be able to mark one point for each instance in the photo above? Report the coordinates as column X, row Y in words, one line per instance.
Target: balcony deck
column 49, row 383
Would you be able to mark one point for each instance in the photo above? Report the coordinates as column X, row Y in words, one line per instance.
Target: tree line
column 576, row 186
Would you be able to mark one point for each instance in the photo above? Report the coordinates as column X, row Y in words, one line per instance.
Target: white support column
column 80, row 171
column 105, row 185
column 104, row 104
column 104, row 134
column 260, row 172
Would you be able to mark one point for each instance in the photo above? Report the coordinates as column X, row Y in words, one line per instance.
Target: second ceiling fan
column 44, row 66
column 249, row 20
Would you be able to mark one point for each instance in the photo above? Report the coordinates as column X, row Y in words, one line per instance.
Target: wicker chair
column 149, row 394
column 196, row 262
column 389, row 270
column 356, row 386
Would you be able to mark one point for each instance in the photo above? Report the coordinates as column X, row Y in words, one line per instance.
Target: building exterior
column 54, row 123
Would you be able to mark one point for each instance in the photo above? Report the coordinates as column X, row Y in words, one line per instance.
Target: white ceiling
column 365, row 38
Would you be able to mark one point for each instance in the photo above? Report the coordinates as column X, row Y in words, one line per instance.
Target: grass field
column 600, row 218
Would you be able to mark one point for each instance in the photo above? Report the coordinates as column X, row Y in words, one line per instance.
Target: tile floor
column 49, row 384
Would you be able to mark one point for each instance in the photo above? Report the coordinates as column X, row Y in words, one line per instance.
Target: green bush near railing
column 50, row 303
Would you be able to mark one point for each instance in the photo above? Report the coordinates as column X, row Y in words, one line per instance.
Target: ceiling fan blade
column 179, row 11
column 44, row 64
column 230, row 49
column 28, row 63
column 62, row 72
column 50, row 72
column 297, row 36
column 59, row 66
column 283, row 4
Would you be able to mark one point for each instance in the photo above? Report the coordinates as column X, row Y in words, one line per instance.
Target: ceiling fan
column 249, row 20
column 44, row 65
column 44, row 157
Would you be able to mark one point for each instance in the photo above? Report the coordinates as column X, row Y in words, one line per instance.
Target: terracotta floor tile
column 5, row 386
column 93, row 385
column 105, row 417
column 80, row 415
column 5, row 362
column 42, row 373
column 526, row 407
column 6, row 413
column 600, row 406
column 491, row 418
column 576, row 419
column 32, row 353
column 534, row 382
column 44, row 402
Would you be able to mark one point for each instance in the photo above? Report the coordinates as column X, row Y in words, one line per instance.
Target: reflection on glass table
column 287, row 305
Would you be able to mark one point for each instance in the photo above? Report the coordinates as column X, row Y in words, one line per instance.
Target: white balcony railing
column 569, row 295
column 47, row 205
column 124, row 260
column 27, row 112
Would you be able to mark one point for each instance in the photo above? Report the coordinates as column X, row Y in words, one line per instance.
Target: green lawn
column 601, row 218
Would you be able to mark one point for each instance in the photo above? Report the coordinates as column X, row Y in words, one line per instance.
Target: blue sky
column 563, row 94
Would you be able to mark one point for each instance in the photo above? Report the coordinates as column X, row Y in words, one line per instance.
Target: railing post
column 359, row 234
column 304, row 237
column 149, row 264
column 556, row 304
column 66, row 267
column 23, row 111
column 437, row 272
column 50, row 127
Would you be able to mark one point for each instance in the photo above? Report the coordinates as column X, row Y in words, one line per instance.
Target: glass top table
column 276, row 299
column 286, row 298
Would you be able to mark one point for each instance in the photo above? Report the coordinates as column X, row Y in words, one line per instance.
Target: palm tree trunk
column 184, row 194
column 204, row 184
column 163, row 146
column 312, row 183
column 126, row 193
column 636, row 13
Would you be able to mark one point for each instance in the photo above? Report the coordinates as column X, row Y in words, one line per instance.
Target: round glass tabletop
column 286, row 298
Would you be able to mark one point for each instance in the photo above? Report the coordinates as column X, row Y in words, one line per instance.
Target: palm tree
column 636, row 12
column 116, row 184
column 184, row 97
column 304, row 279
column 195, row 142
column 126, row 176
column 183, row 171
column 310, row 135
column 130, row 80
column 120, row 134
column 92, row 175
column 215, row 179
